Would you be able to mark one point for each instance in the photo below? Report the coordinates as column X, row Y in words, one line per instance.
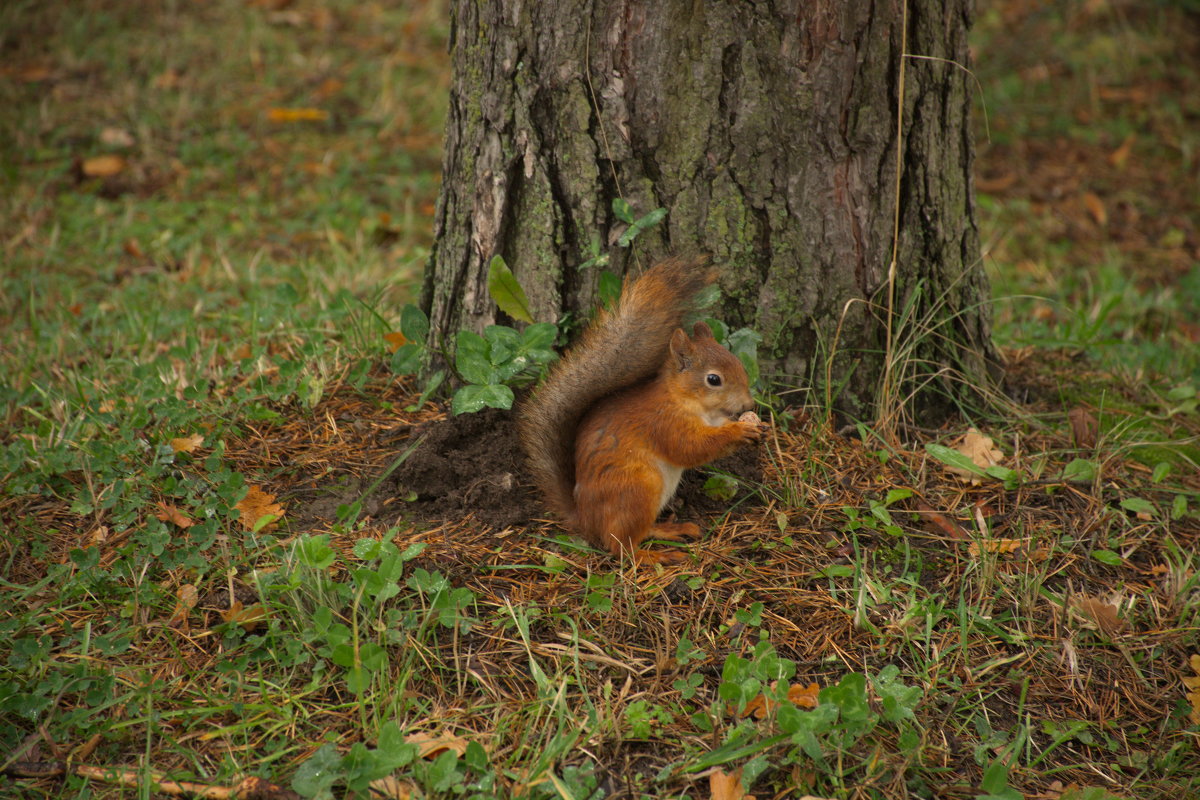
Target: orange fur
column 617, row 451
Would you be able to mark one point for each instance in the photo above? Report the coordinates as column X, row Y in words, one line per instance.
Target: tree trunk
column 768, row 132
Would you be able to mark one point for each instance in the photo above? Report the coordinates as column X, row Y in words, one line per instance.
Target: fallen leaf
column 168, row 79
column 395, row 341
column 992, row 185
column 1095, row 207
column 319, row 168
column 724, row 785
column 1039, row 555
column 1084, row 427
column 392, row 788
column 1118, row 157
column 185, row 601
column 1100, row 614
column 328, row 88
column 187, row 444
column 169, row 513
column 981, row 450
column 248, row 617
column 994, row 546
column 429, row 744
column 35, row 74
column 1193, row 687
column 297, row 114
column 116, row 137
column 804, row 696
column 944, row 523
column 102, row 166
column 256, row 505
column 1043, row 313
column 133, row 248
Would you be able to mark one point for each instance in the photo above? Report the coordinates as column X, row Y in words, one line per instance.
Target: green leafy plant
column 825, row 736
column 361, row 767
column 492, row 362
column 488, row 365
column 599, row 592
column 644, row 718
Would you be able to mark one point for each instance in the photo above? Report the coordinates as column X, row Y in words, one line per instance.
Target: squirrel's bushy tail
column 619, row 348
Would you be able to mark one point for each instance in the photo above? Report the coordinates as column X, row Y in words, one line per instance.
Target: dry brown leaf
column 187, row 444
column 297, row 114
column 98, row 536
column 1053, row 792
column 757, row 708
column 726, row 785
column 1193, row 687
column 249, row 617
column 798, row 694
column 992, row 185
column 169, row 513
column 1096, row 209
column 994, row 546
column 35, row 74
column 1119, row 156
column 395, row 341
column 133, row 248
column 328, row 88
column 166, row 80
column 1084, row 427
column 1100, row 614
column 429, row 744
column 256, row 505
column 392, row 788
column 1044, row 313
column 804, row 696
column 116, row 137
column 185, row 601
column 981, row 450
column 102, row 166
column 944, row 523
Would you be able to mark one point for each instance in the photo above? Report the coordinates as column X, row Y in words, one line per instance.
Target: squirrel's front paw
column 752, row 427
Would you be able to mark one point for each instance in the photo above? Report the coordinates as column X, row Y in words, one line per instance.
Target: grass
column 877, row 628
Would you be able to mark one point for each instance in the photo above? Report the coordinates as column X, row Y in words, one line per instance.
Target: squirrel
column 630, row 407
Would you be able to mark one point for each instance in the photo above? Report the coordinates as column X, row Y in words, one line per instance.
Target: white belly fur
column 670, row 478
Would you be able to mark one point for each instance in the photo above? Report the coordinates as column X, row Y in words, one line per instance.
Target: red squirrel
column 630, row 407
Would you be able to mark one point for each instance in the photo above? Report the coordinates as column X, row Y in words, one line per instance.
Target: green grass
column 234, row 281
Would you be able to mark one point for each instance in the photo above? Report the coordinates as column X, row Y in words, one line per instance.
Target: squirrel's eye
column 713, row 379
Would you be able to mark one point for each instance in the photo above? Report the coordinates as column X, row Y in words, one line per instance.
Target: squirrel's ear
column 681, row 349
column 701, row 331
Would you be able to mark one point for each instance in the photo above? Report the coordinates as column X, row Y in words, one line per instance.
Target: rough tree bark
column 768, row 131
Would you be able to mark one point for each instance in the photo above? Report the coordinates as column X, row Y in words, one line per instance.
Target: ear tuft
column 701, row 331
column 681, row 349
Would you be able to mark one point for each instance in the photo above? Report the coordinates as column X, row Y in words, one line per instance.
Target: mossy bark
column 768, row 131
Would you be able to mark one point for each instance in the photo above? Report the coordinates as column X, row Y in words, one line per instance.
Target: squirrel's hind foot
column 666, row 557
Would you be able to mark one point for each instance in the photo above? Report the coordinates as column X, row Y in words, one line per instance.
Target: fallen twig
column 249, row 788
